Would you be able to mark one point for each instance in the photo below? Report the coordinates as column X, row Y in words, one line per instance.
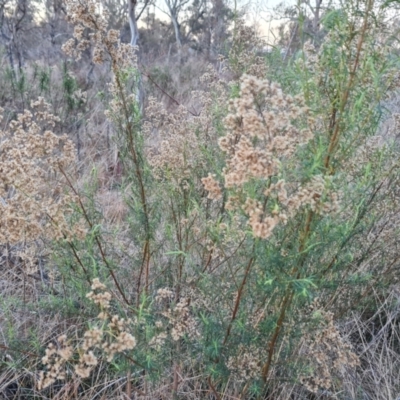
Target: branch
column 146, row 3
column 164, row 92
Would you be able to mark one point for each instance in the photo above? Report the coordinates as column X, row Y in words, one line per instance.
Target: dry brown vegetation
column 193, row 218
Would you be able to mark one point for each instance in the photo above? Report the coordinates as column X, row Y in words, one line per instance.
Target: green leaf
column 176, row 252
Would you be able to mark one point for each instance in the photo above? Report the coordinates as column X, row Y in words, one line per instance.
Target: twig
column 102, row 253
column 213, row 388
column 238, row 298
column 164, row 92
column 335, row 135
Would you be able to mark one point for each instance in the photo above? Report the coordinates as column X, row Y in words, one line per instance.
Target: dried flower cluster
column 106, row 47
column 212, row 187
column 98, row 295
column 327, row 353
column 86, row 16
column 176, row 153
column 243, row 55
column 123, row 339
column 158, row 341
column 263, row 133
column 55, row 359
column 247, row 363
column 180, row 320
column 178, row 138
column 110, row 338
column 113, row 339
column 33, row 160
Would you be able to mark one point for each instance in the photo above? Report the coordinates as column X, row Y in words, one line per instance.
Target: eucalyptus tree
column 208, row 24
column 174, row 9
column 16, row 18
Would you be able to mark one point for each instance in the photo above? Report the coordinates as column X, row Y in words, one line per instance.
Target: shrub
column 252, row 226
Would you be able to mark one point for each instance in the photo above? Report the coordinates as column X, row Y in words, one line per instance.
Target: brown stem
column 218, row 397
column 178, row 230
column 134, row 361
column 272, row 344
column 139, row 282
column 306, row 232
column 75, row 253
column 128, row 388
column 175, row 383
column 288, row 298
column 227, row 258
column 209, row 258
column 130, row 129
column 336, row 131
column 136, row 162
column 164, row 92
column 78, row 259
column 102, row 252
column 27, row 353
column 238, row 298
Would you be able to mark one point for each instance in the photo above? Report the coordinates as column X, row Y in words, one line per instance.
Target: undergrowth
column 243, row 246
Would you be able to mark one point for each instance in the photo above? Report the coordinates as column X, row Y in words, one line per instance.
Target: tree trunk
column 134, row 41
column 317, row 16
column 133, row 22
column 177, row 32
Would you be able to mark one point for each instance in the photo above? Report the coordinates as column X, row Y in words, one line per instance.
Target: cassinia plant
column 252, row 226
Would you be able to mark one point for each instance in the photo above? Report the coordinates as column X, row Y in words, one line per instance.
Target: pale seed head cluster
column 92, row 23
column 179, row 317
column 34, row 162
column 176, row 154
column 91, row 29
column 55, row 358
column 177, row 139
column 110, row 337
column 243, row 55
column 212, row 186
column 328, row 355
column 246, row 364
column 262, row 133
column 98, row 294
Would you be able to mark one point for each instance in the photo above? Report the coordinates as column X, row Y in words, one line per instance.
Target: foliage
column 251, row 222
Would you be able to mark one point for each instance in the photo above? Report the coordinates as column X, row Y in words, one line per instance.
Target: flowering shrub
column 33, row 198
column 256, row 219
column 110, row 338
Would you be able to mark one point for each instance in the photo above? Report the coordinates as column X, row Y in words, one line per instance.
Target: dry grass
column 214, row 218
